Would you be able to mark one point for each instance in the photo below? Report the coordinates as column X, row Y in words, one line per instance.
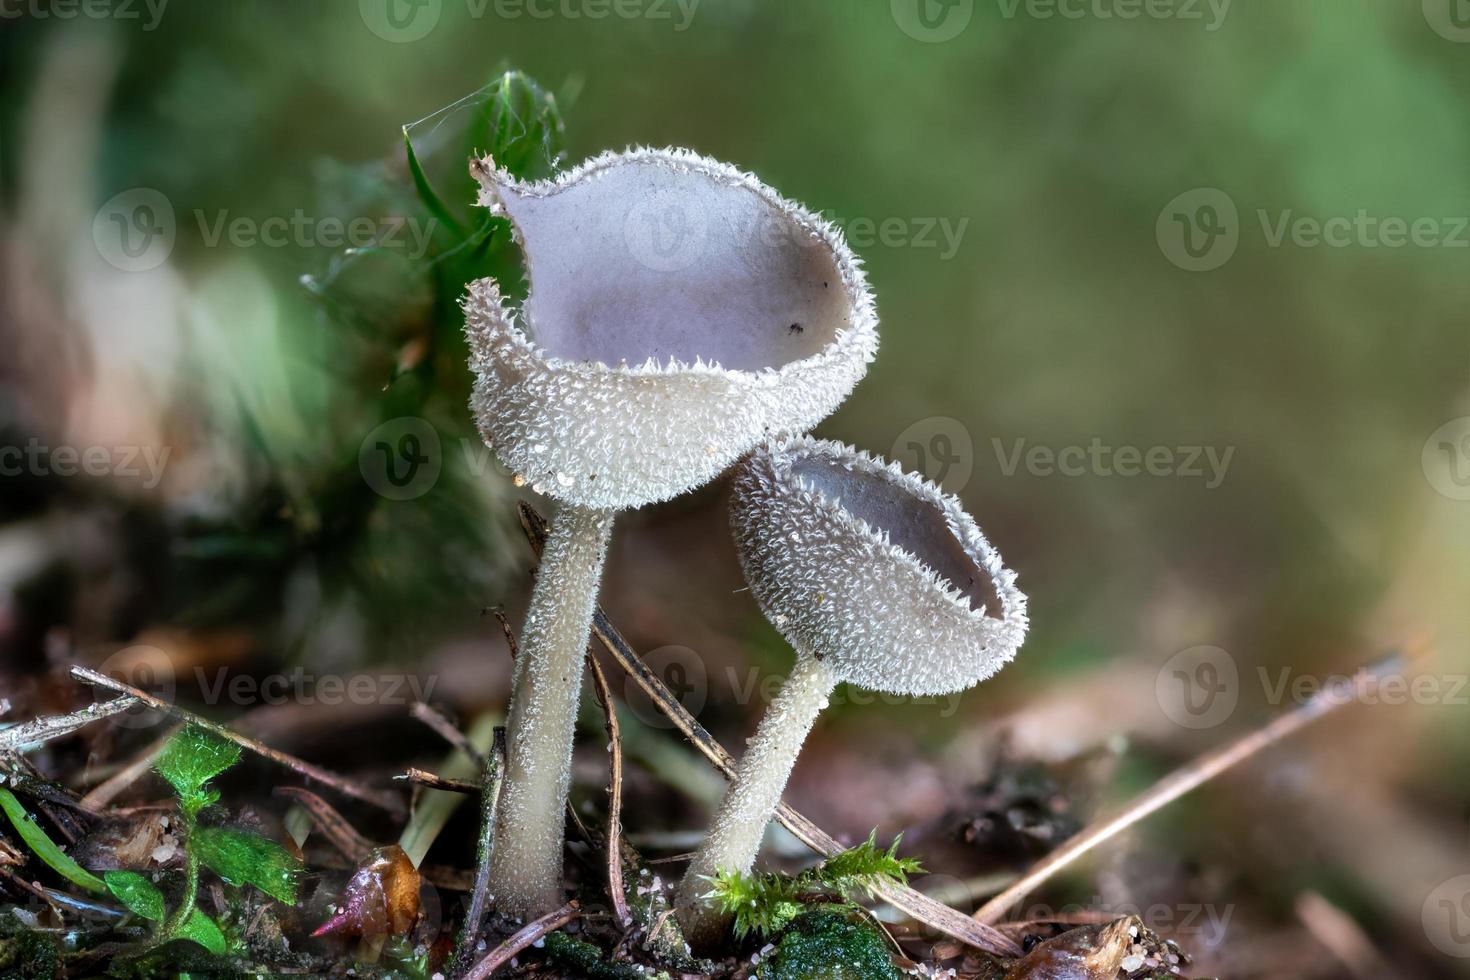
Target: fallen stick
column 1178, row 783
column 390, row 802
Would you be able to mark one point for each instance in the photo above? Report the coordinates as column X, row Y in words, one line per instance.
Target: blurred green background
column 1032, row 194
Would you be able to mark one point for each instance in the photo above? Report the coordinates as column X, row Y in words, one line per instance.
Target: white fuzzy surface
column 895, row 589
column 754, row 792
column 546, row 684
column 631, row 376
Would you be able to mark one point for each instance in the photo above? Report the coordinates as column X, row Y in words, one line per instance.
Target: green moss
column 829, row 944
column 586, row 959
column 29, row 956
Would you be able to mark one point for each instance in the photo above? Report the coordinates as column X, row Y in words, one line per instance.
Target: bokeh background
column 1091, row 234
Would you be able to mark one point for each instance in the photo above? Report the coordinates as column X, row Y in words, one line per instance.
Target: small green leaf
column 137, row 893
column 426, row 192
column 45, row 848
column 205, row 931
column 192, row 758
column 240, row 858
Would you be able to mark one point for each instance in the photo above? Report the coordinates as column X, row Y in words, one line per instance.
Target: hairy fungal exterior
column 877, row 578
column 877, row 572
column 526, row 861
column 678, row 312
column 755, row 790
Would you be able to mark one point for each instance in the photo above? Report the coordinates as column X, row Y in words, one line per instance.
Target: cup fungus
column 678, row 312
column 876, row 577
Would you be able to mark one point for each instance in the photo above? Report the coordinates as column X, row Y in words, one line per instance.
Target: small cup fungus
column 876, row 577
column 679, row 312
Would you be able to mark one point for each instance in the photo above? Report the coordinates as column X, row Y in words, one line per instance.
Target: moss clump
column 29, row 957
column 828, row 943
column 586, row 959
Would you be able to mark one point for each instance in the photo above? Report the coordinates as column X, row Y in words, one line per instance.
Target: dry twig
column 533, row 931
column 390, row 802
column 614, row 796
column 20, row 737
column 430, row 780
column 1175, row 785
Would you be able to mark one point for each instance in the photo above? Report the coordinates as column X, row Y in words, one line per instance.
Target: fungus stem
column 546, row 684
column 754, row 792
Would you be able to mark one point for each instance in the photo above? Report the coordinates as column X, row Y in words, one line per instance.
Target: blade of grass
column 44, row 847
column 426, row 192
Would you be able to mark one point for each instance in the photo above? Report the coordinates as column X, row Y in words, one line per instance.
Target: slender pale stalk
column 526, row 864
column 754, row 792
